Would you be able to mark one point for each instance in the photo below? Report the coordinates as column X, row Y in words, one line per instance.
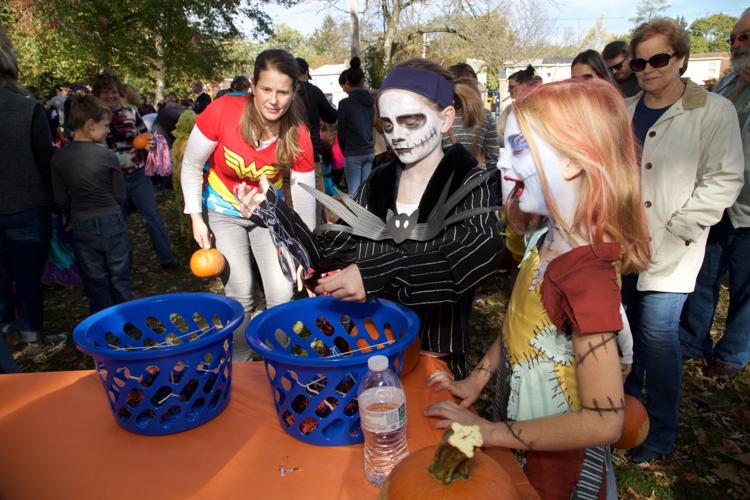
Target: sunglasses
column 742, row 37
column 616, row 67
column 656, row 61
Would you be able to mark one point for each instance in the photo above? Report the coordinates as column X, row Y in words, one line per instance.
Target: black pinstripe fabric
column 434, row 278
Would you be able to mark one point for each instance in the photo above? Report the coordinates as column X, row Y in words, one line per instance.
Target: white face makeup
column 517, row 165
column 411, row 127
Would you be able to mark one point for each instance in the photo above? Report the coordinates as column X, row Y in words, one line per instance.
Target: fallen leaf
column 731, row 447
column 691, row 478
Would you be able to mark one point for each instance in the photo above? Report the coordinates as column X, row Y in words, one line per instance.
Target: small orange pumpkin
column 207, row 263
column 140, row 141
column 445, row 472
column 635, row 424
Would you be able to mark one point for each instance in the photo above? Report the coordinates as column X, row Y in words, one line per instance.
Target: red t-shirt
column 234, row 160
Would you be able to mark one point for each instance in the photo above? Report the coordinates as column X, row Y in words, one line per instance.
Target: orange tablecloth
column 58, row 439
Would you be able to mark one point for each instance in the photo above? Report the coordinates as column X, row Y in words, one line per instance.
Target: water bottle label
column 382, row 409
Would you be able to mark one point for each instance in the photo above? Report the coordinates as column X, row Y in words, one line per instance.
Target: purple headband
column 420, row 81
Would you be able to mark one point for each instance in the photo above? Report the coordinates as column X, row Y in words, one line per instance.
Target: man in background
column 617, row 57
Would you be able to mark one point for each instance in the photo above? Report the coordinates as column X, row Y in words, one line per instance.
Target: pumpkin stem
column 451, row 460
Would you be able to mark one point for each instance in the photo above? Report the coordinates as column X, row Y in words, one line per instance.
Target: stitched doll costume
column 559, row 398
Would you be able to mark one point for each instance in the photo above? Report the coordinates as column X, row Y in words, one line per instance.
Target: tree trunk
column 160, row 72
column 354, row 17
column 391, row 24
column 160, row 78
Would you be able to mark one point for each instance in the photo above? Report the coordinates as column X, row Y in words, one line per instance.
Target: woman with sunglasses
column 691, row 170
column 246, row 137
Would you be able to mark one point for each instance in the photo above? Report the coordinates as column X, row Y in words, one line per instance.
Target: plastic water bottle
column 382, row 413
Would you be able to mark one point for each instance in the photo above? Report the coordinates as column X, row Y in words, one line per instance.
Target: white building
column 702, row 67
column 326, row 78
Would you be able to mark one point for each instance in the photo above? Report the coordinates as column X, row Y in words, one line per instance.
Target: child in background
column 182, row 130
column 332, row 158
column 570, row 153
column 89, row 189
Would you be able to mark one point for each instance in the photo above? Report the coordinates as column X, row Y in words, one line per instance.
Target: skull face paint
column 517, row 165
column 411, row 126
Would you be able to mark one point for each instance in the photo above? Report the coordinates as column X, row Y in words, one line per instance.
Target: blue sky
column 575, row 15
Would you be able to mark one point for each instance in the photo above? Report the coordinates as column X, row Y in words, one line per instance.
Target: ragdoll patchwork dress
column 579, row 291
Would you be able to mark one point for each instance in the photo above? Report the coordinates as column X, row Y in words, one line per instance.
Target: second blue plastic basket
column 316, row 352
column 165, row 361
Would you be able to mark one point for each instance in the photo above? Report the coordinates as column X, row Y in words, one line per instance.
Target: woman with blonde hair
column 246, row 137
column 559, row 397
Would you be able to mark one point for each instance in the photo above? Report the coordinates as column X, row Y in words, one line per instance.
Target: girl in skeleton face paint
column 570, row 152
column 421, row 230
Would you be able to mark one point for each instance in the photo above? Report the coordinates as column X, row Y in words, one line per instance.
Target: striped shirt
column 482, row 140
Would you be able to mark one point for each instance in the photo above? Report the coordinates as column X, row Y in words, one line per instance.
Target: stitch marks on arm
column 609, row 408
column 605, row 339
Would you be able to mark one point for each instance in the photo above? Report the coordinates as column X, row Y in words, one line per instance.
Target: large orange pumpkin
column 635, row 424
column 415, row 477
column 207, row 263
column 140, row 141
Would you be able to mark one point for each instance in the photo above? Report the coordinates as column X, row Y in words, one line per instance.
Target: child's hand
column 467, row 390
column 625, row 368
column 449, row 412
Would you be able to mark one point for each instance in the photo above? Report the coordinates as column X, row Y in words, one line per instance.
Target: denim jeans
column 241, row 242
column 24, row 243
column 728, row 249
column 357, row 170
column 141, row 193
column 658, row 359
column 103, row 254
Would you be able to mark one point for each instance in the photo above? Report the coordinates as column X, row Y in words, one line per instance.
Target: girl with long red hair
column 570, row 152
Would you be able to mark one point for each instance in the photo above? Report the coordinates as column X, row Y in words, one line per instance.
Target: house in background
column 326, row 78
column 708, row 66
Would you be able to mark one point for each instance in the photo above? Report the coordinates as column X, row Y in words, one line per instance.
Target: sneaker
column 723, row 372
column 50, row 345
column 643, row 455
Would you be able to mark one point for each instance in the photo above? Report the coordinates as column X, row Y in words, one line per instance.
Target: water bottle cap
column 377, row 363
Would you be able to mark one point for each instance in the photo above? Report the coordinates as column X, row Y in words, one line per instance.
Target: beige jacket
column 691, row 170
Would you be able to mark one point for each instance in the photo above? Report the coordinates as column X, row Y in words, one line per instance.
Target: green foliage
column 647, row 10
column 374, row 65
column 331, row 42
column 710, row 34
column 73, row 39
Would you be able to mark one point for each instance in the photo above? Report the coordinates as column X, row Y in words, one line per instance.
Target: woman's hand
column 467, row 390
column 251, row 197
column 345, row 285
column 201, row 233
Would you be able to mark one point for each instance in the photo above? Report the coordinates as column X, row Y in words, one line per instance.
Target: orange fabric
column 60, row 440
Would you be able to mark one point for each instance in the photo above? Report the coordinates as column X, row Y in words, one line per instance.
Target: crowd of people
column 624, row 190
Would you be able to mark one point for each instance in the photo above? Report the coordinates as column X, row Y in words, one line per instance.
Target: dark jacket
column 317, row 108
column 25, row 152
column 201, row 103
column 355, row 124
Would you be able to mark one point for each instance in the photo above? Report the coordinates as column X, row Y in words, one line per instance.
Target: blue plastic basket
column 316, row 352
column 165, row 361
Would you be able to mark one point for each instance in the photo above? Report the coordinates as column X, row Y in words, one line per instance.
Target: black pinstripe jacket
column 434, row 278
